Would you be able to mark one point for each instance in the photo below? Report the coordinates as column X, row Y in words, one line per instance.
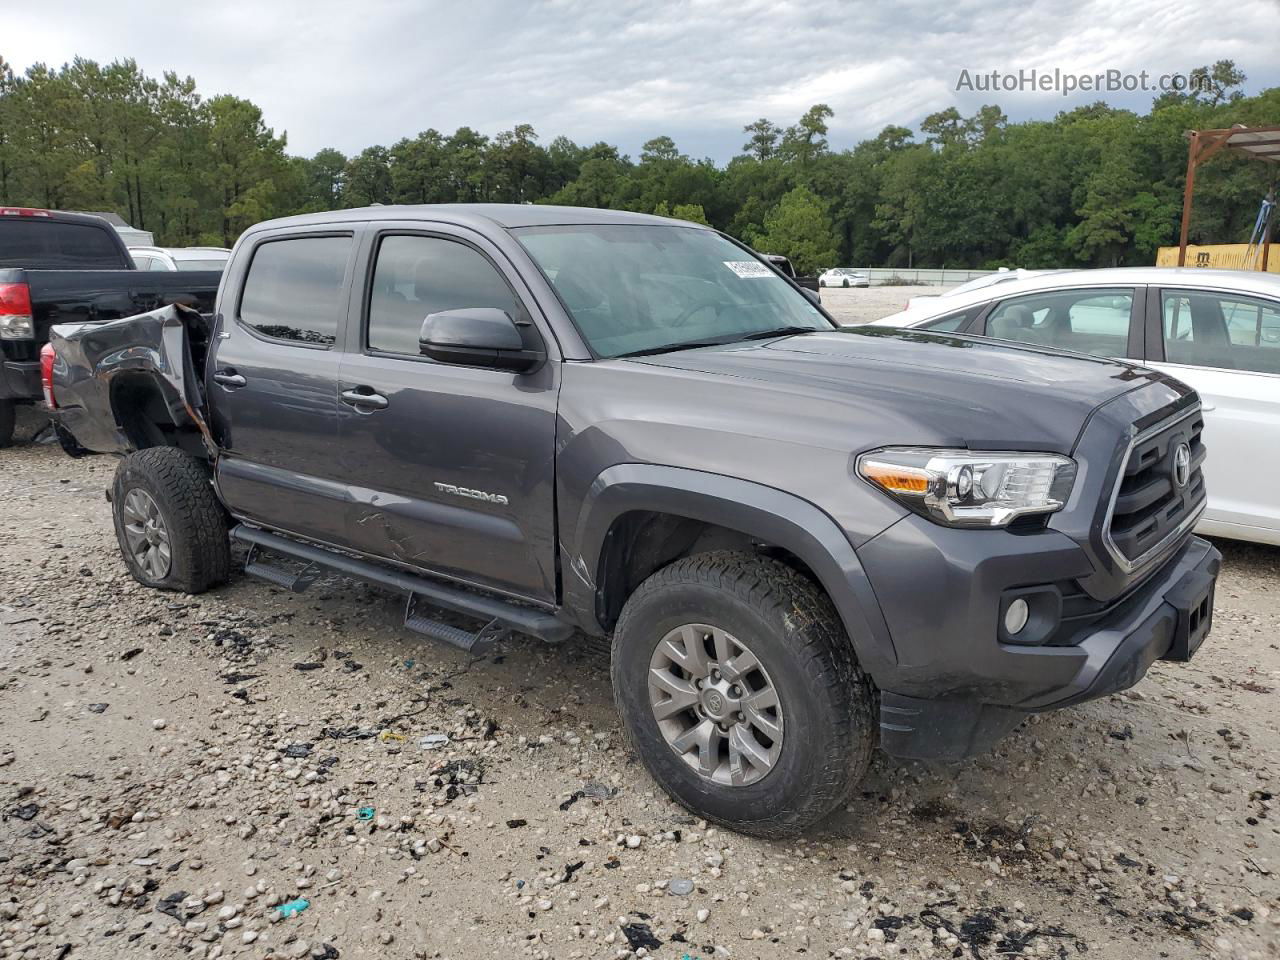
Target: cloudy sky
column 349, row 74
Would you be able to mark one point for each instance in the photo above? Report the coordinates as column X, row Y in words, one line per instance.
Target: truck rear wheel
column 171, row 529
column 741, row 693
column 8, row 414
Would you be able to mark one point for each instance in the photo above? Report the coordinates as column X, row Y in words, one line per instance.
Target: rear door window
column 1093, row 321
column 295, row 289
column 1233, row 332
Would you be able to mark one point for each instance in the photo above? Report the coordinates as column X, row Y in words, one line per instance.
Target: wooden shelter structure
column 1260, row 142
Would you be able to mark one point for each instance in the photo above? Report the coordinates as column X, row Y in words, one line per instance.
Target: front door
column 273, row 383
column 1099, row 321
column 450, row 469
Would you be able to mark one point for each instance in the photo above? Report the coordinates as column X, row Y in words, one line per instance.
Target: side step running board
column 501, row 615
column 471, row 642
column 254, row 565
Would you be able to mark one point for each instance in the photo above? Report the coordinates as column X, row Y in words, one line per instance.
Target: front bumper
column 958, row 690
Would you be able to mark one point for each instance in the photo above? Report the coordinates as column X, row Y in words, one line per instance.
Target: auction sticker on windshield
column 748, row 268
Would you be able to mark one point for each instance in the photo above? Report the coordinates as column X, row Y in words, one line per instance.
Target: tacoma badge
column 473, row 494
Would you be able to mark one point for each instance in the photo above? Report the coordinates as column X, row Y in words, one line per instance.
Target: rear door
column 273, row 381
column 450, row 469
column 1227, row 346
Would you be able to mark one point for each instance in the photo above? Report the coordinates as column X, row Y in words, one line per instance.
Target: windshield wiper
column 718, row 341
column 778, row 332
column 673, row 347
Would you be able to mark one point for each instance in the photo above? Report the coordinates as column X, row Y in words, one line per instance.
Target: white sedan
column 169, row 259
column 843, row 277
column 1216, row 330
column 1003, row 275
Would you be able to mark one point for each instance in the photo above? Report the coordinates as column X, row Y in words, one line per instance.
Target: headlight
column 967, row 488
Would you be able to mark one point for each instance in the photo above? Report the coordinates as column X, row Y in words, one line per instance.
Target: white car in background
column 1216, row 330
column 168, row 259
column 1003, row 275
column 843, row 277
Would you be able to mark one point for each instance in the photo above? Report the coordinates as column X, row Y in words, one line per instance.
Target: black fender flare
column 753, row 509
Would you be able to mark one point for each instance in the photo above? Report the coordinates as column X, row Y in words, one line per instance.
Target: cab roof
column 505, row 215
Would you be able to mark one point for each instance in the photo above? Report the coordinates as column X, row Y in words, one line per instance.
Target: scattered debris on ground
column 259, row 774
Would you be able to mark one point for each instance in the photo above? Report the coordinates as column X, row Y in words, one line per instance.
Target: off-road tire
column 200, row 550
column 828, row 703
column 8, row 415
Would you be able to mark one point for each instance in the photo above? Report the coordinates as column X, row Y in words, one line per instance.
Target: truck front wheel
column 741, row 693
column 8, row 413
column 171, row 529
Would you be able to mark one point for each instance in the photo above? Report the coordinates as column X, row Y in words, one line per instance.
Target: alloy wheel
column 715, row 705
column 146, row 534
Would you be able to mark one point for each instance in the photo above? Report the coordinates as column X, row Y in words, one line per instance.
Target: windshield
column 634, row 288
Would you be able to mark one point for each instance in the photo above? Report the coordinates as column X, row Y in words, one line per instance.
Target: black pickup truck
column 803, row 541
column 64, row 267
column 784, row 265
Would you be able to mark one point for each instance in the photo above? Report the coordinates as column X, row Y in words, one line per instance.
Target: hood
column 933, row 388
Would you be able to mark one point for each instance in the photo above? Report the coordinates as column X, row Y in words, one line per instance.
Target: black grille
column 1150, row 505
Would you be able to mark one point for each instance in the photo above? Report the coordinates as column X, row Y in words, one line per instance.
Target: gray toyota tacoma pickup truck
column 803, row 541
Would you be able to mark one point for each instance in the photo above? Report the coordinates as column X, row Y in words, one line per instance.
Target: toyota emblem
column 1181, row 465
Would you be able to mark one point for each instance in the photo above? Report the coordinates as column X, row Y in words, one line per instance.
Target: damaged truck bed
column 145, row 369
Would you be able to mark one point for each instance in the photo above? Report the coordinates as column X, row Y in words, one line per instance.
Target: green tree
column 945, row 128
column 763, row 141
column 247, row 157
column 419, row 169
column 800, row 229
column 324, row 181
column 8, row 118
column 681, row 211
column 808, row 138
column 520, row 166
column 1218, row 82
column 367, row 178
column 1093, row 185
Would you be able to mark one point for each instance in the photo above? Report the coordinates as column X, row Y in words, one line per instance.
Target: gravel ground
column 174, row 770
column 863, row 304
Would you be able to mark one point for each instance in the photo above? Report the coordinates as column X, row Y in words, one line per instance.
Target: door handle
column 365, row 397
column 229, row 378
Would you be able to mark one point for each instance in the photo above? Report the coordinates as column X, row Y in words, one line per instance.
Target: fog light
column 1015, row 616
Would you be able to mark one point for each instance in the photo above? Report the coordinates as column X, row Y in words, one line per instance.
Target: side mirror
column 479, row 337
column 813, row 295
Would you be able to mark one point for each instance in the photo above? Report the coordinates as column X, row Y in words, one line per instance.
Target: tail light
column 16, row 321
column 47, row 358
